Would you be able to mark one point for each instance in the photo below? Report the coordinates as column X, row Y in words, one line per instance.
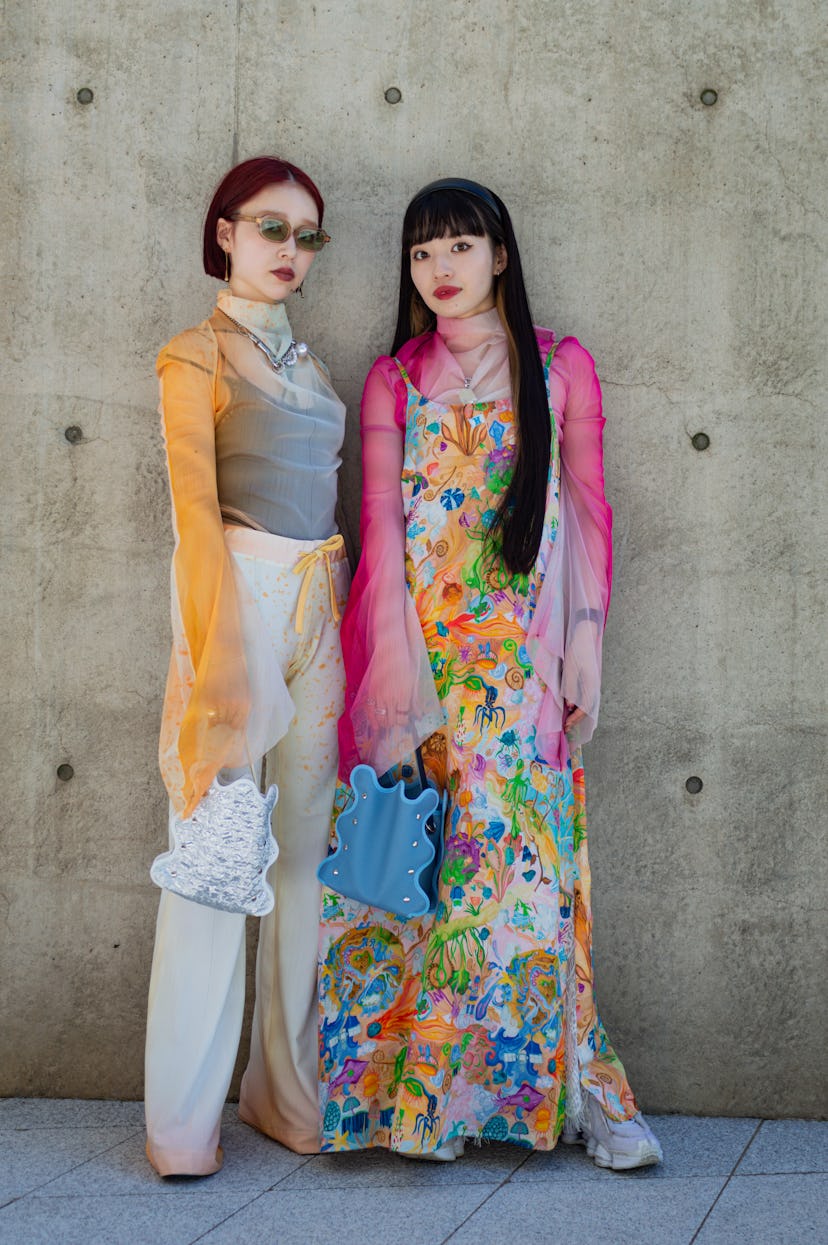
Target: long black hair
column 448, row 210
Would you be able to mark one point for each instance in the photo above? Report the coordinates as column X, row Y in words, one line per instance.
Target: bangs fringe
column 442, row 214
column 515, row 532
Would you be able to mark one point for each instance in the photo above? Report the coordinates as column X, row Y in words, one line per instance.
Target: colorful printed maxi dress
column 478, row 1020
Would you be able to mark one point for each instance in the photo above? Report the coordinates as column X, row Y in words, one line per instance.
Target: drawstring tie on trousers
column 306, row 566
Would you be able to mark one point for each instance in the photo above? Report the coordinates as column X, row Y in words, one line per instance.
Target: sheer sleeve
column 566, row 635
column 208, row 699
column 391, row 702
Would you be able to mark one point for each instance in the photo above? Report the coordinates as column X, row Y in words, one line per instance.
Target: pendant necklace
column 467, row 394
column 296, row 350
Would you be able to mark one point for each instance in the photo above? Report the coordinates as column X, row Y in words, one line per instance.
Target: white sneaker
column 619, row 1144
column 453, row 1149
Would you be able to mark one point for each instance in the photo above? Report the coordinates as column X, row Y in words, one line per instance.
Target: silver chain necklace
column 296, row 350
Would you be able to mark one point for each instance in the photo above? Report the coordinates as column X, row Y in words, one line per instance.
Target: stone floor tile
column 488, row 1164
column 770, row 1210
column 787, row 1146
column 620, row 1213
column 351, row 1217
column 251, row 1162
column 38, row 1220
column 692, row 1147
column 68, row 1113
column 29, row 1158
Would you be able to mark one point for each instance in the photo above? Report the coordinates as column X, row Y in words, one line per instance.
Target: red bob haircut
column 239, row 185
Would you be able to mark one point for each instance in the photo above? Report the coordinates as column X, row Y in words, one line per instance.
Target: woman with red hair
column 253, row 430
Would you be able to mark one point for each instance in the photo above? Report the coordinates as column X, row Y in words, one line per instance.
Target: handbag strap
column 421, row 770
column 261, row 778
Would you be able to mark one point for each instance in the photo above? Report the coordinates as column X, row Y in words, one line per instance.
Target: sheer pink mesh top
column 387, row 666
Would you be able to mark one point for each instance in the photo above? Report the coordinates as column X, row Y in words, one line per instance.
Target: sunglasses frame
column 297, row 233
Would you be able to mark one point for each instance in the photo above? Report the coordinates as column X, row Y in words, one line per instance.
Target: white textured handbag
column 222, row 852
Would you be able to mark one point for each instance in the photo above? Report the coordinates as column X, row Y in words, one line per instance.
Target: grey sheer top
column 278, row 435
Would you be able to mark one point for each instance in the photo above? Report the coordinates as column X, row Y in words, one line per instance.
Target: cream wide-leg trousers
column 196, row 996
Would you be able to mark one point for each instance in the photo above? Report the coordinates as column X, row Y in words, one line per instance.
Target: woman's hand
column 391, row 679
column 231, row 712
column 388, row 714
column 572, row 715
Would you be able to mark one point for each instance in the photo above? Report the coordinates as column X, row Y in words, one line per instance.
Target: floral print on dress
column 478, row 1020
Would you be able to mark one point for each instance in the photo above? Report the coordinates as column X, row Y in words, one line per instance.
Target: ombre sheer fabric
column 258, row 449
column 391, row 702
column 565, row 638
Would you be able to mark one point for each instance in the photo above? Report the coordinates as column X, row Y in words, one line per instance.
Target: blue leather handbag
column 389, row 843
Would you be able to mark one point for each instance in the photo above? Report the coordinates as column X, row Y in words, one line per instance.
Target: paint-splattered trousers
column 196, row 997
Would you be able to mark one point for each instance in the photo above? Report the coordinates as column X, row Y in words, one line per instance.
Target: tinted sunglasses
column 274, row 229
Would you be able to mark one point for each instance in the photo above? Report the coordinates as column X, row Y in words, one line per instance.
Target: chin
column 277, row 291
column 439, row 307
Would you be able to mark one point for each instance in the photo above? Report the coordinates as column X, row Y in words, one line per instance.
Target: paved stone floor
column 74, row 1173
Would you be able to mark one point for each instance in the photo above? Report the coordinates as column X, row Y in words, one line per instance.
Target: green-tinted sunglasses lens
column 273, row 229
column 311, row 239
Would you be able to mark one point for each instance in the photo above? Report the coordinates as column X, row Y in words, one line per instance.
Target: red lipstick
column 284, row 274
column 446, row 291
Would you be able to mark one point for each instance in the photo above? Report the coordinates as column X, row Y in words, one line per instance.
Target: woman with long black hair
column 474, row 630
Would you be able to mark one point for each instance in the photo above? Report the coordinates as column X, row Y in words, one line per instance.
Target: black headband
column 469, row 188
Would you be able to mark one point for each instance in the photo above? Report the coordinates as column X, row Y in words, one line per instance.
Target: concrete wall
column 681, row 242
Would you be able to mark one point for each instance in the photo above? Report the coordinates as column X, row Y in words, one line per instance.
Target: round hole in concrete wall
column 73, row 434
column 700, row 441
column 708, row 97
column 694, row 785
column 393, row 95
column 85, row 95
column 65, row 772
